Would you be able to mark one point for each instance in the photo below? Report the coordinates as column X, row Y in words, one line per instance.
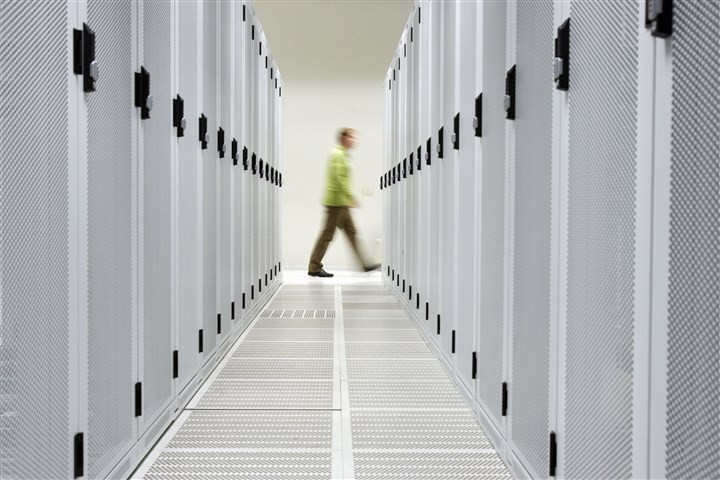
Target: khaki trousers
column 337, row 217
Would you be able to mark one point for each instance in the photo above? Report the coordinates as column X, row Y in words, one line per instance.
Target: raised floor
column 332, row 380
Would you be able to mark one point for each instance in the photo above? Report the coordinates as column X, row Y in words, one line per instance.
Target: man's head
column 347, row 138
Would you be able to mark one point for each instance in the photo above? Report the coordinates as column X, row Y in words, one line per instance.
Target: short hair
column 344, row 132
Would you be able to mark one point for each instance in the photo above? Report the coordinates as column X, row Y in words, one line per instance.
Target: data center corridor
column 332, row 380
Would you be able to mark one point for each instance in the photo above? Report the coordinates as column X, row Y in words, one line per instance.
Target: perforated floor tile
column 382, row 335
column 371, row 306
column 405, row 396
column 278, row 395
column 375, row 313
column 192, row 465
column 277, row 369
column 295, row 323
column 353, row 298
column 297, row 305
column 284, row 349
column 290, row 335
column 393, row 370
column 387, row 350
column 255, row 429
column 429, row 465
column 378, row 323
column 298, row 313
column 447, row 430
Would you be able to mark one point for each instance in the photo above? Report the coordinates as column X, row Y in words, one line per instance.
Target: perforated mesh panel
column 291, row 335
column 191, row 465
column 284, row 349
column 395, row 370
column 398, row 313
column 601, row 227
column 295, row 323
column 110, row 191
column 376, row 323
column 405, row 396
column 384, row 335
column 157, row 356
column 34, row 249
column 189, row 288
column 492, row 239
column 429, row 465
column 532, row 242
column 261, row 394
column 278, row 368
column 257, row 429
column 693, row 403
column 387, row 350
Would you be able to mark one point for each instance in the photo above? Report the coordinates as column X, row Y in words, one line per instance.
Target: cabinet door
column 226, row 95
column 111, row 259
column 35, row 194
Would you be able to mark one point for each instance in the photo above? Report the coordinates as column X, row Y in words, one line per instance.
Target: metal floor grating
column 275, row 407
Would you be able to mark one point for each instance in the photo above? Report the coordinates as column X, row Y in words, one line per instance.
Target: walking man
column 338, row 201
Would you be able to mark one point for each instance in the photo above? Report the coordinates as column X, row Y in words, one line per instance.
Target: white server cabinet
column 408, row 157
column 239, row 243
column 43, row 240
column 210, row 160
column 189, row 191
column 432, row 306
column 463, row 336
column 225, row 132
column 534, row 203
column 606, row 302
column 448, row 168
column 255, row 159
column 112, row 120
column 491, row 362
column 403, row 77
column 155, row 157
column 685, row 430
column 247, row 155
column 422, row 47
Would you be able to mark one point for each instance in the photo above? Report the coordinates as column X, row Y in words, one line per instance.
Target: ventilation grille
column 693, row 404
column 601, row 239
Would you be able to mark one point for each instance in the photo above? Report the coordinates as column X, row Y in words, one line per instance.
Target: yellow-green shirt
column 338, row 192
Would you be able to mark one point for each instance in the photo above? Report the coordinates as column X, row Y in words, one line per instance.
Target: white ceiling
column 330, row 40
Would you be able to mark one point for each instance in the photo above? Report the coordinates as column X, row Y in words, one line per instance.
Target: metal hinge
column 138, row 399
column 553, row 454
column 79, row 455
column 504, row 399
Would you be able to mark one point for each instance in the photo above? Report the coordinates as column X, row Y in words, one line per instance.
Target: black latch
column 393, row 74
column 79, row 455
column 245, row 158
column 252, row 292
column 553, row 454
column 477, row 121
column 381, row 183
column 410, row 292
column 200, row 341
column 273, row 175
column 427, row 311
column 474, row 365
column 266, row 279
column 272, row 76
column 412, row 39
column 562, row 56
column 438, row 324
column 138, row 399
column 179, row 120
column 281, row 180
column 244, row 14
column 232, row 310
column 453, row 342
column 266, row 62
column 419, row 158
column 252, row 32
column 510, row 94
column 260, row 51
column 143, row 99
column 417, row 301
column 267, row 172
column 221, row 142
column 441, row 134
column 84, row 62
column 219, row 324
column 658, row 17
column 456, row 132
column 419, row 14
column 253, row 163
column 404, row 173
column 404, row 50
column 403, row 286
column 204, row 135
column 411, row 163
column 243, row 301
column 262, row 168
column 234, row 151
column 504, row 399
column 428, row 151
column 388, row 270
column 259, row 285
column 176, row 367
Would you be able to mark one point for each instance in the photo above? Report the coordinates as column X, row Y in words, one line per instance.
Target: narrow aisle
column 331, row 381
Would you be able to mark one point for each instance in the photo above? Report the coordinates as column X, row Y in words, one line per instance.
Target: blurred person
column 338, row 201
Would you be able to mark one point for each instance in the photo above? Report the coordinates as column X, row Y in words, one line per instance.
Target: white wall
column 313, row 112
column 334, row 57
